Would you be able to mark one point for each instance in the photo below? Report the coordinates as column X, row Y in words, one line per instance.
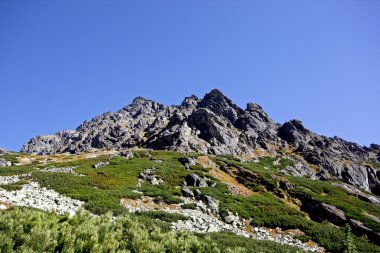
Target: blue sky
column 62, row 62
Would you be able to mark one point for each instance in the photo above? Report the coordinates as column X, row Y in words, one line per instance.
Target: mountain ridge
column 216, row 125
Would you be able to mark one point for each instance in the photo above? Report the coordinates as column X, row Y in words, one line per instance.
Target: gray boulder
column 189, row 161
column 334, row 214
column 212, row 203
column 126, row 154
column 4, row 163
column 187, row 192
column 360, row 228
column 3, row 151
column 150, row 176
column 156, row 160
column 230, row 218
column 197, row 193
column 195, row 180
column 100, row 165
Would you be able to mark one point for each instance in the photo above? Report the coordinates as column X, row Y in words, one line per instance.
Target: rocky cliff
column 215, row 125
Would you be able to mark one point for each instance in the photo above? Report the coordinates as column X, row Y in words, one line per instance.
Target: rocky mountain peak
column 256, row 111
column 141, row 100
column 221, row 105
column 297, row 124
column 375, row 147
column 295, row 133
column 3, row 150
column 142, row 105
column 252, row 107
column 214, row 94
column 216, row 125
column 191, row 101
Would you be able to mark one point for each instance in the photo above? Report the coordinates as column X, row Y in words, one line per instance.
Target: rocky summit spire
column 191, row 101
column 140, row 100
column 219, row 104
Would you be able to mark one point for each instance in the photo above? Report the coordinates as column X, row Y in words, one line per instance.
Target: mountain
column 216, row 125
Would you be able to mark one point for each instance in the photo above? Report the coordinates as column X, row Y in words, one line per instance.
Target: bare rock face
column 216, row 102
column 195, row 180
column 335, row 157
column 150, row 176
column 215, row 125
column 322, row 211
column 362, row 229
column 358, row 193
column 100, row 165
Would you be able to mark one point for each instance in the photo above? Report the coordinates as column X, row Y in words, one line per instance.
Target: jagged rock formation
column 216, row 125
column 4, row 163
column 3, row 151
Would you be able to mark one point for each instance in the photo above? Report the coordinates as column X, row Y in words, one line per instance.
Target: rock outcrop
column 359, row 194
column 4, row 163
column 334, row 157
column 215, row 125
column 196, row 181
column 100, row 165
column 150, row 176
column 321, row 211
column 3, row 151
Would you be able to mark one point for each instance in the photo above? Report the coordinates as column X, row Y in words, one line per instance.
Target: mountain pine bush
column 26, row 230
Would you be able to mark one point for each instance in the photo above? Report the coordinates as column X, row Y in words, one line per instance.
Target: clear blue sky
column 62, row 62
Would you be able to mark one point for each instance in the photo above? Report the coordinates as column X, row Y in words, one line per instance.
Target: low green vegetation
column 374, row 164
column 227, row 240
column 188, row 206
column 13, row 187
column 162, row 216
column 17, row 170
column 103, row 188
column 25, row 230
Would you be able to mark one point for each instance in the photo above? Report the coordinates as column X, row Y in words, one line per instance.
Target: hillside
column 226, row 204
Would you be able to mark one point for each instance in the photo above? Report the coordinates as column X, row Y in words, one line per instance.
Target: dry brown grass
column 25, row 159
column 371, row 216
column 234, row 186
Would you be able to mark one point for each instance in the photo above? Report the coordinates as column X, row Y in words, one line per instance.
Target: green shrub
column 163, row 216
column 11, row 187
column 227, row 240
column 303, row 238
column 189, row 206
column 25, row 230
column 349, row 244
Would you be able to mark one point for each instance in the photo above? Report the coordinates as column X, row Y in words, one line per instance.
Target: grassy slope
column 269, row 214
